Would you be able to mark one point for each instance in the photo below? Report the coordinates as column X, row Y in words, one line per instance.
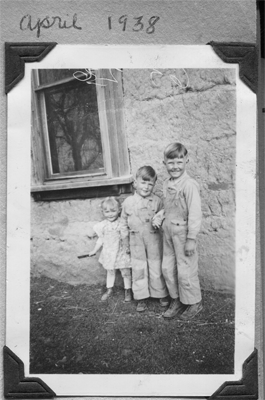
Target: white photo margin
column 18, row 219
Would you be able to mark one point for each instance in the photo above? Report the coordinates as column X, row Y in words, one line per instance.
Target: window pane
column 73, row 128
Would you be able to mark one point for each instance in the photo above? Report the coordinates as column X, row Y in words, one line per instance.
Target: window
column 78, row 134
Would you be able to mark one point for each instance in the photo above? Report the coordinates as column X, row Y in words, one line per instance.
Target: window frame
column 113, row 137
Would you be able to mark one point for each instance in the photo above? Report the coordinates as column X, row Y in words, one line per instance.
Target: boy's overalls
column 182, row 220
column 145, row 246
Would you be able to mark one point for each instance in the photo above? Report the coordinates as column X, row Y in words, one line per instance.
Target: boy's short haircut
column 111, row 201
column 146, row 173
column 175, row 150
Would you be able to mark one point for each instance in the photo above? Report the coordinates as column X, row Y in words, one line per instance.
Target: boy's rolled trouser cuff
column 140, row 291
column 192, row 294
column 180, row 284
column 146, row 258
column 180, row 271
column 170, row 275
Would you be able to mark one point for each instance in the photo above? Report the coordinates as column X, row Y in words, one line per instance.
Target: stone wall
column 195, row 107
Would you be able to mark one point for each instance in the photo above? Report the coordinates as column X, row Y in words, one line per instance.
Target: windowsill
column 55, row 185
column 59, row 191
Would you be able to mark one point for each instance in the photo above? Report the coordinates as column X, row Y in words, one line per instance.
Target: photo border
column 18, row 189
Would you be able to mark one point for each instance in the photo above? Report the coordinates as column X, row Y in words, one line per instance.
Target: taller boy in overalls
column 145, row 241
column 182, row 221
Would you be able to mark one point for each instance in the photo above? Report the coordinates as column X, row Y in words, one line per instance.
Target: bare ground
column 73, row 332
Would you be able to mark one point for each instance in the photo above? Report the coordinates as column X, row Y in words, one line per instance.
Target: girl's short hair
column 146, row 173
column 175, row 150
column 112, row 202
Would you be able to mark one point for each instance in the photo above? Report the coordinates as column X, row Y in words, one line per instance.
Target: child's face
column 111, row 213
column 144, row 188
column 176, row 166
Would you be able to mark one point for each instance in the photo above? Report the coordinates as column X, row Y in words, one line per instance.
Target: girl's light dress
column 113, row 254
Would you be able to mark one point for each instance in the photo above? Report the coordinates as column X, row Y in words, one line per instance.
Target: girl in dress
column 113, row 255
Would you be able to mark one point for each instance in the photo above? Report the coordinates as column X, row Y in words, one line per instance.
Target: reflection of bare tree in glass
column 73, row 125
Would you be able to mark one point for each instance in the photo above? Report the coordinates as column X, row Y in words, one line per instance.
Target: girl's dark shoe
column 128, row 295
column 107, row 294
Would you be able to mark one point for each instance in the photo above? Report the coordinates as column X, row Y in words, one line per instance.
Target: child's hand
column 92, row 253
column 190, row 247
column 157, row 221
column 128, row 250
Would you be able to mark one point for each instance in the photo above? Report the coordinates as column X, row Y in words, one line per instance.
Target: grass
column 73, row 332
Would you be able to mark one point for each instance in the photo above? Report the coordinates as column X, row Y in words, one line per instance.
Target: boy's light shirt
column 192, row 196
column 131, row 203
column 144, row 200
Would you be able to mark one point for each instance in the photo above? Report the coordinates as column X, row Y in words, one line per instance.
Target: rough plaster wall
column 157, row 112
column 61, row 231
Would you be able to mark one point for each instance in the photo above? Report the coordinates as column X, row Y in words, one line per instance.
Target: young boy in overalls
column 182, row 220
column 144, row 240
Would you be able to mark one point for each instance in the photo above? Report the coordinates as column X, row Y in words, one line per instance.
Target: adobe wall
column 158, row 109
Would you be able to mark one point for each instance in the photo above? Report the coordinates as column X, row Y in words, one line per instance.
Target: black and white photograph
column 137, row 234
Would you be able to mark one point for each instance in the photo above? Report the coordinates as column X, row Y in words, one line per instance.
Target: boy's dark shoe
column 128, row 295
column 141, row 306
column 107, row 294
column 191, row 311
column 164, row 302
column 175, row 308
